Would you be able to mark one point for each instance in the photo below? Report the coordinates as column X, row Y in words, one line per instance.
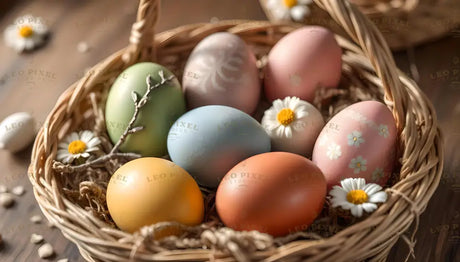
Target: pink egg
column 302, row 61
column 359, row 141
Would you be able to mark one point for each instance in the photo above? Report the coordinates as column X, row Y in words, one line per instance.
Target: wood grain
column 32, row 82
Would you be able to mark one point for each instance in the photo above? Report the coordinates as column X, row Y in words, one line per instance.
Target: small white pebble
column 3, row 189
column 82, row 47
column 214, row 20
column 45, row 251
column 63, row 260
column 6, row 200
column 50, row 225
column 36, row 238
column 37, row 219
column 19, row 190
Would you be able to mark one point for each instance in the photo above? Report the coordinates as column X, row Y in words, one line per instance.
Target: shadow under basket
column 74, row 201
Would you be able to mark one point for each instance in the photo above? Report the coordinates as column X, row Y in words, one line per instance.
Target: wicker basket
column 366, row 66
column 403, row 23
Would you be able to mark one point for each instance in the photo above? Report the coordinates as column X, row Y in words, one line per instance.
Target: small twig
column 98, row 161
column 137, row 106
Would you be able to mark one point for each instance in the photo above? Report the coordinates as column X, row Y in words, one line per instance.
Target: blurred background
column 32, row 82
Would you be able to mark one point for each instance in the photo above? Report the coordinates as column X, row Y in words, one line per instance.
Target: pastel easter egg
column 164, row 105
column 17, row 131
column 150, row 190
column 209, row 140
column 301, row 62
column 303, row 121
column 221, row 70
column 275, row 193
column 359, row 141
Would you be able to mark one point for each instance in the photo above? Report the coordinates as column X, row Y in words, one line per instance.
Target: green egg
column 165, row 104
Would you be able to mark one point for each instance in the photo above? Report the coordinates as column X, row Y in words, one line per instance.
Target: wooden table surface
column 32, row 82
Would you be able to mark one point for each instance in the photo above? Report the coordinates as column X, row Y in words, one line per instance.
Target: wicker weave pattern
column 420, row 150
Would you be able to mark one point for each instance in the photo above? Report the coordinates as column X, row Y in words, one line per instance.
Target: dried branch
column 138, row 105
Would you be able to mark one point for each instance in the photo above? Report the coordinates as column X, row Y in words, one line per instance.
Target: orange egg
column 276, row 193
column 150, row 190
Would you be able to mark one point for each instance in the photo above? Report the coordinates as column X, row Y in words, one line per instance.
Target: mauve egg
column 302, row 61
column 222, row 70
column 359, row 141
column 275, row 193
column 209, row 140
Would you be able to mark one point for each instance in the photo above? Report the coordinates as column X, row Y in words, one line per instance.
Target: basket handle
column 141, row 41
column 361, row 30
column 364, row 33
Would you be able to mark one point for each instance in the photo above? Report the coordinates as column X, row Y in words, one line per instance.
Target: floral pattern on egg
column 357, row 142
column 358, row 164
column 333, row 151
column 355, row 138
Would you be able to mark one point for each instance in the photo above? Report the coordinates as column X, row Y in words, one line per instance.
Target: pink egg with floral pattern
column 359, row 141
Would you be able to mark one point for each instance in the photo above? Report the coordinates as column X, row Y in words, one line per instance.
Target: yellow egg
column 150, row 190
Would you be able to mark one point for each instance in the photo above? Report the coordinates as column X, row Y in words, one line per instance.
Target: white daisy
column 77, row 145
column 358, row 164
column 355, row 138
column 26, row 33
column 383, row 130
column 295, row 10
column 285, row 116
column 355, row 195
column 333, row 151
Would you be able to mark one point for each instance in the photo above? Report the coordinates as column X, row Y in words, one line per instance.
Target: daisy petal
column 93, row 142
column 73, row 137
column 299, row 12
column 371, row 188
column 369, row 207
column 300, row 114
column 347, row 205
column 85, row 136
column 379, row 197
column 278, row 105
column 347, row 184
column 338, row 192
column 359, row 183
column 288, row 131
column 357, row 210
column 338, row 202
column 280, row 131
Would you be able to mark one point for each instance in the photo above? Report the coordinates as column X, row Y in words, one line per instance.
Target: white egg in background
column 17, row 131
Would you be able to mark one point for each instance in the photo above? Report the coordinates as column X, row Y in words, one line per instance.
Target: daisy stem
column 137, row 106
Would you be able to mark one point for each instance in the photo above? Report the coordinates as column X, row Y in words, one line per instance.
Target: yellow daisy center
column 290, row 3
column 77, row 147
column 357, row 196
column 285, row 116
column 355, row 138
column 26, row 31
column 358, row 164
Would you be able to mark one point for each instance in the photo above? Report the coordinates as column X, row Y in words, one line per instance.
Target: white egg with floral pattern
column 358, row 142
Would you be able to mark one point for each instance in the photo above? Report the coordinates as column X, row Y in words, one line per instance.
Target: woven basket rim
column 58, row 209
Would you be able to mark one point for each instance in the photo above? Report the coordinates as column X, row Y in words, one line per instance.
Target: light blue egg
column 208, row 141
